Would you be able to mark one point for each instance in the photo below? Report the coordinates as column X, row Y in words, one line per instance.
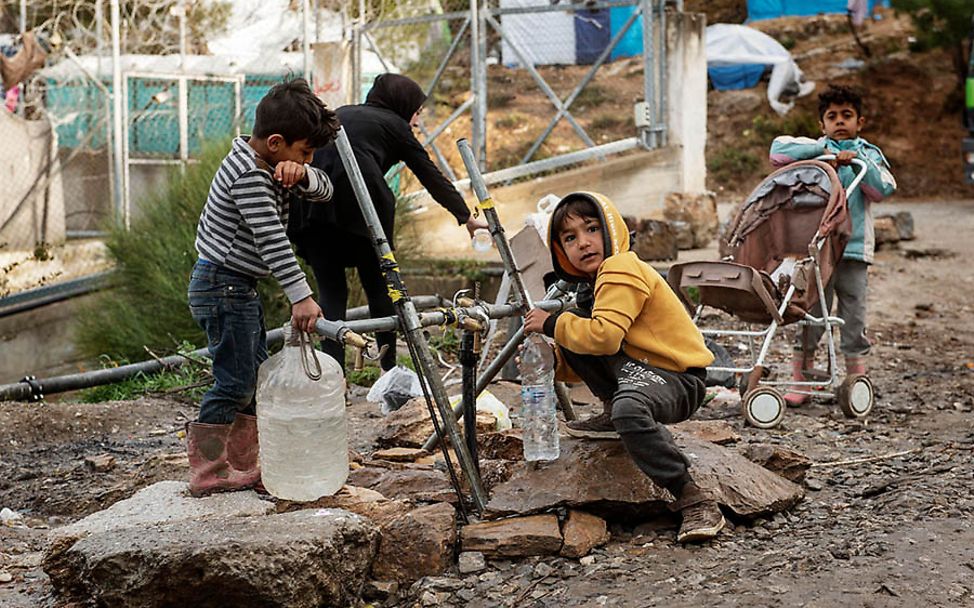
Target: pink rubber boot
column 799, row 363
column 855, row 366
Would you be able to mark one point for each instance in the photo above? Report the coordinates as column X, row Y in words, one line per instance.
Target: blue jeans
column 227, row 307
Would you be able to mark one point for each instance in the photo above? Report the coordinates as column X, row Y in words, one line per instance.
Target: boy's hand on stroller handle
column 534, row 320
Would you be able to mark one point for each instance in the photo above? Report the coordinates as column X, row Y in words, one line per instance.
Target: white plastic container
column 482, row 241
column 301, row 425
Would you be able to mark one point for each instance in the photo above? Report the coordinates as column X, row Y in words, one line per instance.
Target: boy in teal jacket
column 841, row 119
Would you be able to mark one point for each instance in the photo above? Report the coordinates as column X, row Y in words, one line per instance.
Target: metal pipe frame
column 418, row 347
column 487, row 375
column 545, row 88
column 496, row 228
column 599, row 61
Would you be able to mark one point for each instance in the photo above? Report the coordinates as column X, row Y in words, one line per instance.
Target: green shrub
column 797, row 123
column 511, row 121
column 732, row 165
column 153, row 260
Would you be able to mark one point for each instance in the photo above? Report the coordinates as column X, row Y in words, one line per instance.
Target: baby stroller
column 779, row 253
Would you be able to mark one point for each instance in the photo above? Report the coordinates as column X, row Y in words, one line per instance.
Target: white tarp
column 32, row 205
column 729, row 44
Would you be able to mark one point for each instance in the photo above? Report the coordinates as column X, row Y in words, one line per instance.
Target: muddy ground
column 881, row 530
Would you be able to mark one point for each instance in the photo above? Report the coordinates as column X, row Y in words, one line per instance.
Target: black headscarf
column 397, row 93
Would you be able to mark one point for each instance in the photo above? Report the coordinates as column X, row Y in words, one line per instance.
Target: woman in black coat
column 332, row 236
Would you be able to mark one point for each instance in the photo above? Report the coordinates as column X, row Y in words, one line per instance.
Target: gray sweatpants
column 849, row 285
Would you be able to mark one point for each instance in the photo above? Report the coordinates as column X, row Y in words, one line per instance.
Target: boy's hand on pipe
column 289, row 173
column 304, row 314
column 844, row 157
column 534, row 321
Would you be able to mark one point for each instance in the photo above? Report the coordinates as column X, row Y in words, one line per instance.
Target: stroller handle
column 860, row 174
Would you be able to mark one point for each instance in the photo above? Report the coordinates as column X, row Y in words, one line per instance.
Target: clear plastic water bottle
column 539, row 420
column 481, row 241
column 301, row 425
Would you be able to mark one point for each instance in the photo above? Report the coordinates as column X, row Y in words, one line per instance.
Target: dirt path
column 898, row 531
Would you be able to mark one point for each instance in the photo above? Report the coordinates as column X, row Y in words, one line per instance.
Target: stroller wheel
column 856, row 396
column 764, row 407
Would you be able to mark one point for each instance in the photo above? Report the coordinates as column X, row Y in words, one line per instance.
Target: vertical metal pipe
column 306, row 38
column 182, row 109
column 117, row 132
column 410, row 322
column 183, row 45
column 649, row 75
column 481, row 97
column 476, row 116
column 468, row 359
column 99, row 52
column 496, row 229
column 23, row 16
column 664, row 42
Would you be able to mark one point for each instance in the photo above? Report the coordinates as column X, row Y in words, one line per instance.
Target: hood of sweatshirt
column 615, row 236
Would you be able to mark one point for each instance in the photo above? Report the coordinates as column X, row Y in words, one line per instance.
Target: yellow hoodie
column 634, row 308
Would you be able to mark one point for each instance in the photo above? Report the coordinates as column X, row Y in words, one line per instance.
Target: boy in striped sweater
column 241, row 238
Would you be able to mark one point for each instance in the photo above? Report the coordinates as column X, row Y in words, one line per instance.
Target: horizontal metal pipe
column 36, row 389
column 554, row 162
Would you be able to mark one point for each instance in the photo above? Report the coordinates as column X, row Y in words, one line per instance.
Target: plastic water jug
column 301, row 424
column 539, row 419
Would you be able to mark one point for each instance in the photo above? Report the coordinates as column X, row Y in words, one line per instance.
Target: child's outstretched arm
column 786, row 149
column 617, row 303
column 879, row 181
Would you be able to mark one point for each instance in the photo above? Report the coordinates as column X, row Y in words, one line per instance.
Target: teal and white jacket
column 875, row 186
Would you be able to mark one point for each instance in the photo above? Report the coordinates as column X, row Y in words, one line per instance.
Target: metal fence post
column 649, row 75
column 121, row 217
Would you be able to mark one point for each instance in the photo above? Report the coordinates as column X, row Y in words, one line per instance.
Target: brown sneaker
column 702, row 519
column 701, row 522
column 594, row 427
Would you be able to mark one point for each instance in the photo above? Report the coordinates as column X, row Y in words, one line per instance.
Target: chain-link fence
column 534, row 84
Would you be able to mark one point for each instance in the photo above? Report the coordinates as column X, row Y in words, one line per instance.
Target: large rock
column 164, row 502
column 715, row 431
column 417, row 544
column 789, row 464
column 583, row 532
column 294, row 560
column 903, row 222
column 361, row 501
column 600, row 477
column 698, row 210
column 410, row 426
column 654, row 239
column 506, row 445
column 886, row 230
column 406, row 482
column 413, row 541
column 514, row 537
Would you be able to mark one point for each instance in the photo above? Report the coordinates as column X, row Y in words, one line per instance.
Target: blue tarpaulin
column 769, row 9
column 592, row 35
column 730, row 77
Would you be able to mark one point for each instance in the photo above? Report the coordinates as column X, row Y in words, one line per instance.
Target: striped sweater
column 242, row 226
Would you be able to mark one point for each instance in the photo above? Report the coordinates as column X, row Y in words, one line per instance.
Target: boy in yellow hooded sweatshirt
column 633, row 343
